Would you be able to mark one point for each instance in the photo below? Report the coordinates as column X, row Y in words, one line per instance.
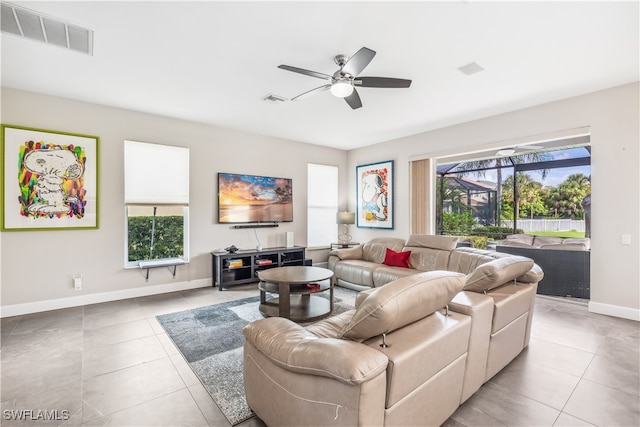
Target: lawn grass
column 571, row 233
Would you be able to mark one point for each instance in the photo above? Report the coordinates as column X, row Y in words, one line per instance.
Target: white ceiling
column 214, row 62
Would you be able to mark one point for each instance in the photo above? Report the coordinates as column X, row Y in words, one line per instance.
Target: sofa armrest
column 348, row 253
column 362, row 295
column 293, row 348
column 480, row 308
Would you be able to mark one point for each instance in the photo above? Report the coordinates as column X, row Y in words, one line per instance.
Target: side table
column 295, row 287
column 342, row 245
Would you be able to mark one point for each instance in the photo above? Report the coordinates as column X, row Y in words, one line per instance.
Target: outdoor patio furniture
column 566, row 272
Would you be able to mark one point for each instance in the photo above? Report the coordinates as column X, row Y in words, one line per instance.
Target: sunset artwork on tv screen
column 250, row 198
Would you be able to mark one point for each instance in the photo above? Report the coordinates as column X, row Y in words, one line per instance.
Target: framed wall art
column 374, row 188
column 49, row 179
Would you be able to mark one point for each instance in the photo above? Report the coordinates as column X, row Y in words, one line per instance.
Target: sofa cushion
column 293, row 348
column 397, row 259
column 532, row 276
column 445, row 243
column 428, row 259
column 386, row 274
column 356, row 271
column 348, row 253
column 375, row 249
column 402, row 302
column 586, row 241
column 497, row 272
column 546, row 240
column 527, row 239
column 565, row 247
column 465, row 260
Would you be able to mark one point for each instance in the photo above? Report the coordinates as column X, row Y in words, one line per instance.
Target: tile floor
column 112, row 364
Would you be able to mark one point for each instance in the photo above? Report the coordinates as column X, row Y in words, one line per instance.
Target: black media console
column 242, row 266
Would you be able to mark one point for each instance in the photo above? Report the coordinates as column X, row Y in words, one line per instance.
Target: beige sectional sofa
column 447, row 331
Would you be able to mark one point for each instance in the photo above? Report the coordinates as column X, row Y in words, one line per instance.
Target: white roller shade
column 155, row 174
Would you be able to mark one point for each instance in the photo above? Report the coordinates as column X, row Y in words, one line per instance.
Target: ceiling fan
column 343, row 82
column 514, row 151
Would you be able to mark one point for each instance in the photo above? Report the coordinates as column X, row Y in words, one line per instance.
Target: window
column 157, row 202
column 322, row 204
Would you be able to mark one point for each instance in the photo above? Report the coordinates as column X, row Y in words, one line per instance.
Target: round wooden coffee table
column 295, row 287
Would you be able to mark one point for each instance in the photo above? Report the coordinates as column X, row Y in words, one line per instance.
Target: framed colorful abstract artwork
column 49, row 180
column 374, row 187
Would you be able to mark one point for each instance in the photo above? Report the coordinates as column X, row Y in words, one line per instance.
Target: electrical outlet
column 626, row 239
column 77, row 281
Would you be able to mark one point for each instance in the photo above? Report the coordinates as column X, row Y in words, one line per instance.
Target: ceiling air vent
column 471, row 68
column 35, row 26
column 274, row 98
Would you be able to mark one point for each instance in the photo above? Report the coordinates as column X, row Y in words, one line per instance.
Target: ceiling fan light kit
column 506, row 152
column 342, row 88
column 342, row 83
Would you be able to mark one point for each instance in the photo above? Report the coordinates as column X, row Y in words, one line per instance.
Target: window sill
column 156, row 263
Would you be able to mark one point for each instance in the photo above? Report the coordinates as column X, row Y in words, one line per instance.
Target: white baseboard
column 55, row 304
column 614, row 310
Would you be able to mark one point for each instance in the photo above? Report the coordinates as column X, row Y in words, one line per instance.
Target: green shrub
column 168, row 239
column 479, row 242
column 495, row 232
column 455, row 222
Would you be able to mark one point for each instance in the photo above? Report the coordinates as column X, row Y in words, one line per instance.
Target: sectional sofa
column 422, row 339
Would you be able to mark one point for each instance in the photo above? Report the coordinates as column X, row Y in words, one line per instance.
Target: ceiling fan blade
column 311, row 92
column 381, row 82
column 305, row 72
column 358, row 61
column 354, row 100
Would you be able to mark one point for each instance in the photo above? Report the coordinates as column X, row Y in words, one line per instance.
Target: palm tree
column 528, row 195
column 568, row 196
column 480, row 167
column 447, row 192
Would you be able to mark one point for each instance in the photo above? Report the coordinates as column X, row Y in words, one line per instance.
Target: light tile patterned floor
column 112, row 364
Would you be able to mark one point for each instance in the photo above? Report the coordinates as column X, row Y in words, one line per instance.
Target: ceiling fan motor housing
column 341, row 60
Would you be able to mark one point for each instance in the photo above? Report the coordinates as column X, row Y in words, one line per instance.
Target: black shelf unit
column 242, row 267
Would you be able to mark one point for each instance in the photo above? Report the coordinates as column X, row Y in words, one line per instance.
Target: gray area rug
column 210, row 339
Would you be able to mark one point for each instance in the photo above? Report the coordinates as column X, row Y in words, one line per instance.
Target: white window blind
column 322, row 204
column 155, row 174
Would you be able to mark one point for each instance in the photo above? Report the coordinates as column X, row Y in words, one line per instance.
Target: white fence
column 547, row 224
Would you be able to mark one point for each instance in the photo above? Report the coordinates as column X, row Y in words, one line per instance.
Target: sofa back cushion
column 430, row 252
column 402, row 302
column 586, row 241
column 445, row 243
column 564, row 247
column 465, row 260
column 426, row 259
column 497, row 272
column 376, row 249
column 527, row 239
column 546, row 240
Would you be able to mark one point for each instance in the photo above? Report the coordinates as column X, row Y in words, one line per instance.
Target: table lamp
column 344, row 219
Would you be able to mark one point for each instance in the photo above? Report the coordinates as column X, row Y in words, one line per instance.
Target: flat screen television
column 254, row 199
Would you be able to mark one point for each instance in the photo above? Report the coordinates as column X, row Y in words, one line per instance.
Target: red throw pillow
column 397, row 259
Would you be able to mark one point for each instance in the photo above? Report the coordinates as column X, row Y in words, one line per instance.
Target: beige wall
column 613, row 117
column 38, row 266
